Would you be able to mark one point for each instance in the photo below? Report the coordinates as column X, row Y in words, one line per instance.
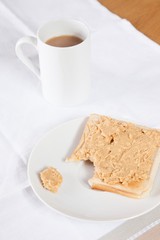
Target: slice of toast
column 125, row 156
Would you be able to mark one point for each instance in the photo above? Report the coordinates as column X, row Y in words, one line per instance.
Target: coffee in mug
column 64, row 41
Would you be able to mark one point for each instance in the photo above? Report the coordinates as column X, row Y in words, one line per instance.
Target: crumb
column 51, row 179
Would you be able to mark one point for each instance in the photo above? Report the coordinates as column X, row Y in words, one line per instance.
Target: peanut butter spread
column 51, row 179
column 122, row 153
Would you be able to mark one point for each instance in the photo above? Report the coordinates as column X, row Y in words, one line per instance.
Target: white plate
column 75, row 198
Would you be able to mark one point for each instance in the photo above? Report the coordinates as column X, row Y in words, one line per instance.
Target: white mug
column 64, row 71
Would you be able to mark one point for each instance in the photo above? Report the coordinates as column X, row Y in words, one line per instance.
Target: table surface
column 144, row 14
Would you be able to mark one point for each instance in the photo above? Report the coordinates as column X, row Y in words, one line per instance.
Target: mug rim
column 63, row 20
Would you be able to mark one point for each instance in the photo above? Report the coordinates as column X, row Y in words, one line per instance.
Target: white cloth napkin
column 125, row 84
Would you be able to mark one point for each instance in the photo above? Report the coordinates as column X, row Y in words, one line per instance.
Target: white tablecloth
column 125, row 84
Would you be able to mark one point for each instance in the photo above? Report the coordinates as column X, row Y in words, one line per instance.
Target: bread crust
column 97, row 185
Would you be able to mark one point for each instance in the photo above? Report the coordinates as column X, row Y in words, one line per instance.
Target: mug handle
column 22, row 57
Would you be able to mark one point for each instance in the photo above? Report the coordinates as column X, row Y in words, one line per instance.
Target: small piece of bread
column 51, row 179
column 125, row 156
